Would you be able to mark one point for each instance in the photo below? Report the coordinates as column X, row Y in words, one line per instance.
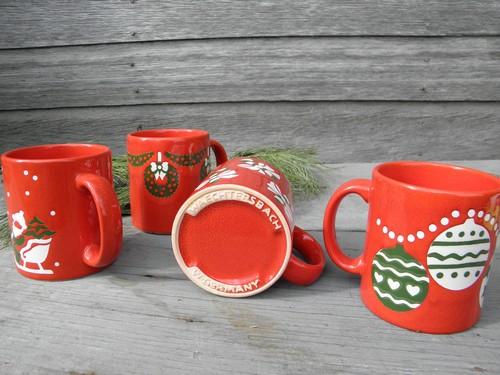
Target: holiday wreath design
column 31, row 243
column 161, row 178
column 399, row 280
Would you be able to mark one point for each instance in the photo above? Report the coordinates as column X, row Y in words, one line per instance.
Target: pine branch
column 300, row 166
column 4, row 231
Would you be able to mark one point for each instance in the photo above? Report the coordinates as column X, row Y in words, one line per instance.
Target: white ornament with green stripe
column 457, row 256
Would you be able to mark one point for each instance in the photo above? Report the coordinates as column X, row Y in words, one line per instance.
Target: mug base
column 231, row 240
column 50, row 275
column 436, row 331
column 152, row 231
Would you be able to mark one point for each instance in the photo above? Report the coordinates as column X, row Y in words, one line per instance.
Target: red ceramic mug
column 165, row 166
column 430, row 240
column 65, row 218
column 234, row 235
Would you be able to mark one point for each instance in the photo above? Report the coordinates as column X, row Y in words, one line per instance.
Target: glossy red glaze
column 430, row 240
column 165, row 166
column 234, row 235
column 65, row 218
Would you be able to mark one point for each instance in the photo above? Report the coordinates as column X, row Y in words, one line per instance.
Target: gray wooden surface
column 264, row 69
column 142, row 316
column 339, row 131
column 359, row 80
column 89, row 22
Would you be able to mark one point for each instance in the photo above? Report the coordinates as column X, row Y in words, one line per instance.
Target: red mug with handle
column 165, row 166
column 234, row 235
column 430, row 239
column 62, row 209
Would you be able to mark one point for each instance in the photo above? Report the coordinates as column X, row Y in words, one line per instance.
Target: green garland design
column 205, row 169
column 187, row 160
column 139, row 160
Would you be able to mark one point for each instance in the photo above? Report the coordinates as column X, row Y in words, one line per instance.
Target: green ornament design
column 161, row 188
column 205, row 169
column 399, row 280
column 139, row 160
column 187, row 160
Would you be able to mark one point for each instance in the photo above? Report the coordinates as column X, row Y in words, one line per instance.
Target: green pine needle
column 4, row 231
column 120, row 177
column 298, row 165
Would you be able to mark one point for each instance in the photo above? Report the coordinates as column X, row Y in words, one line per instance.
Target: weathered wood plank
column 48, row 23
column 340, row 131
column 142, row 316
column 274, row 69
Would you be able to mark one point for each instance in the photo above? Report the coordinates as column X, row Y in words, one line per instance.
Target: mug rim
column 161, row 134
column 93, row 150
column 377, row 172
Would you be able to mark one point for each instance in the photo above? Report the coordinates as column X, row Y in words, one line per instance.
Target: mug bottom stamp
column 231, row 240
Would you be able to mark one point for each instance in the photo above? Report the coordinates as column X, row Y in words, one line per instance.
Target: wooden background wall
column 361, row 80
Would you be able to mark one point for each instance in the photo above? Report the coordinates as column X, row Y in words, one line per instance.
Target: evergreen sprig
column 4, row 231
column 300, row 166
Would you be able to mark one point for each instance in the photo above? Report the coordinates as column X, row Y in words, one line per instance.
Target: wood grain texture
column 141, row 316
column 48, row 23
column 267, row 69
column 339, row 131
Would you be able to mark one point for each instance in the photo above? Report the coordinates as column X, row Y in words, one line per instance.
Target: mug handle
column 362, row 188
column 299, row 272
column 220, row 153
column 110, row 220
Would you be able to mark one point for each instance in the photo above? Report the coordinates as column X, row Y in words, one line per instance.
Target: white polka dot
column 384, row 229
column 433, row 227
column 487, row 217
column 52, row 213
column 27, row 193
column 8, row 194
column 445, row 221
column 401, row 239
column 471, row 213
column 392, row 235
column 492, row 221
column 420, row 234
column 411, row 238
column 455, row 213
column 57, row 264
column 25, row 172
column 495, row 227
column 35, row 178
column 378, row 221
column 480, row 214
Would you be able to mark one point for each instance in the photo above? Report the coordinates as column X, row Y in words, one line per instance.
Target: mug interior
column 56, row 152
column 440, row 177
column 171, row 133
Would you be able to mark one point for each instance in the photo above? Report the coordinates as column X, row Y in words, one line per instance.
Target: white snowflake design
column 222, row 173
column 259, row 167
column 159, row 168
column 282, row 198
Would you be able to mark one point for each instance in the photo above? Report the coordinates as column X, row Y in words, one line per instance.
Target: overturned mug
column 430, row 240
column 234, row 235
column 64, row 215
